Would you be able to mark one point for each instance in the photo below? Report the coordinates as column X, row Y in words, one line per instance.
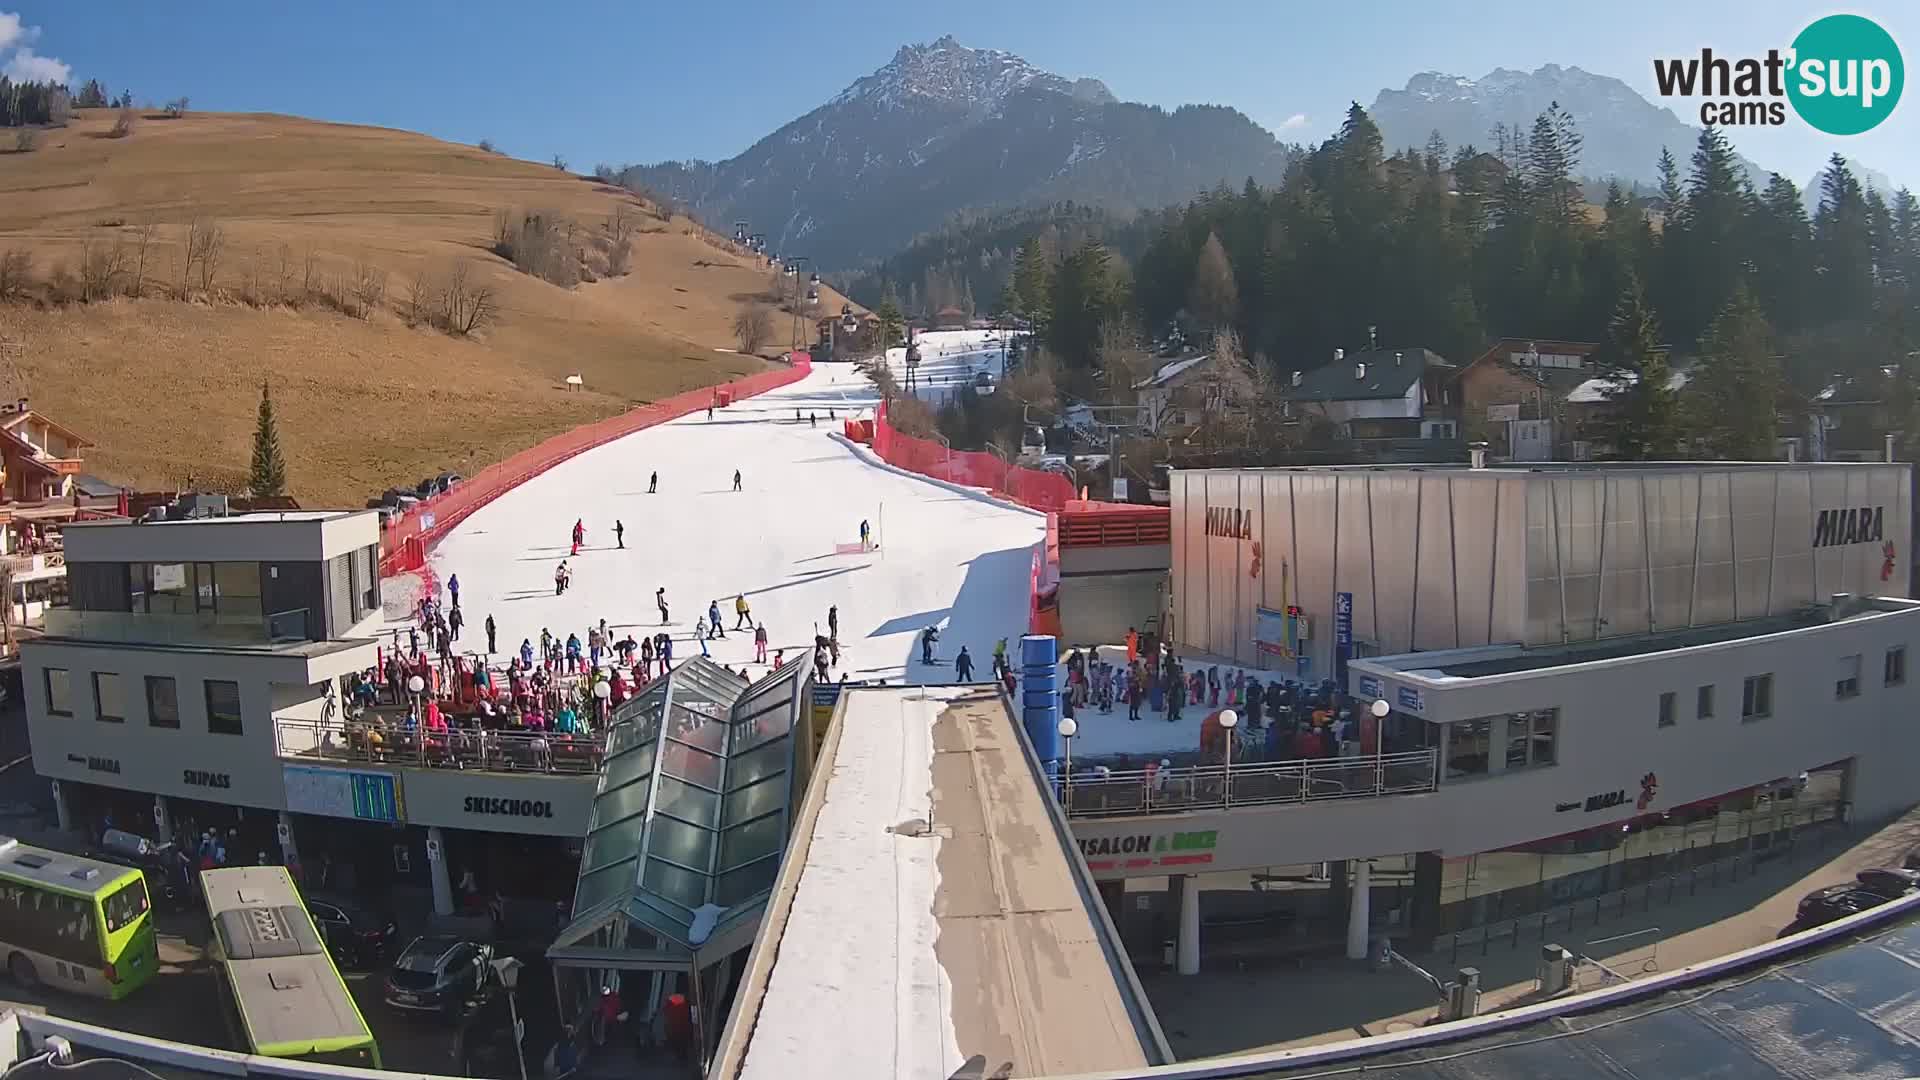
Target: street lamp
column 415, row 684
column 1228, row 721
column 602, row 690
column 1068, row 729
column 508, row 969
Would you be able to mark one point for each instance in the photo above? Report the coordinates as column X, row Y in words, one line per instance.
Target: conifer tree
column 268, row 473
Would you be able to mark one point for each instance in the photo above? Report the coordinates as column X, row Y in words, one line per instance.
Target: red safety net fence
column 404, row 542
column 970, row 468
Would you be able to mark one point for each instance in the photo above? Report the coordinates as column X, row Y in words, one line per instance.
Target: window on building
column 1846, row 681
column 1468, row 744
column 163, row 702
column 162, row 588
column 1756, row 698
column 1895, row 672
column 107, row 702
column 238, row 591
column 205, row 593
column 59, row 692
column 1703, row 702
column 1531, row 738
column 223, row 707
column 1669, row 709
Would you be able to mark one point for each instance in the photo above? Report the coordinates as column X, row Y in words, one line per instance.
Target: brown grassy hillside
column 168, row 388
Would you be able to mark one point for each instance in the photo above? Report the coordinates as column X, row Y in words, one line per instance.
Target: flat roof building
column 931, row 897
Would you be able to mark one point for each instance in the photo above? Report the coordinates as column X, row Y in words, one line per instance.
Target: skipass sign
column 1842, row 75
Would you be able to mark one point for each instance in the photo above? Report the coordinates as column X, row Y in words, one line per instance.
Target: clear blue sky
column 643, row 81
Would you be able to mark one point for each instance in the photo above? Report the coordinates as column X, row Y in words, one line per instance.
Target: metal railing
column 1262, row 783
column 479, row 749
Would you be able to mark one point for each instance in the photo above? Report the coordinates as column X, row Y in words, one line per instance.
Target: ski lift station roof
column 933, row 917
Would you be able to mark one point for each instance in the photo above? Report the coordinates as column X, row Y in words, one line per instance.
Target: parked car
column 356, row 936
column 1889, row 882
column 437, row 974
column 1824, row 905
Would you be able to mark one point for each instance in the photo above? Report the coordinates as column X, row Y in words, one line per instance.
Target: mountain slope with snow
column 943, row 128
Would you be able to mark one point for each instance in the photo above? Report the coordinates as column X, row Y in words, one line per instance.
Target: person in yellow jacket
column 742, row 614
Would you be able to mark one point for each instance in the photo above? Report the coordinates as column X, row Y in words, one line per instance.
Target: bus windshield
column 126, row 905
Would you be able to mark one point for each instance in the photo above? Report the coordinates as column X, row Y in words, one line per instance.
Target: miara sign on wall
column 1835, row 528
column 1230, row 522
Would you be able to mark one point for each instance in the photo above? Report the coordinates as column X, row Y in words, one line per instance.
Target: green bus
column 74, row 923
column 284, row 997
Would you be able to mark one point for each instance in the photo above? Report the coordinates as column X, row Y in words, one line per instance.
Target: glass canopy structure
column 689, row 820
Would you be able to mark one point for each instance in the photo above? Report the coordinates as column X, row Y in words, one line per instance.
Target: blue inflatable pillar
column 1040, row 693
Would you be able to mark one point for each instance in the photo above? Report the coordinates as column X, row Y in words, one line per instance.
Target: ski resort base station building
column 1607, row 670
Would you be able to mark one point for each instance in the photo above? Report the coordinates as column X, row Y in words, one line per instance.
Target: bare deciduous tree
column 16, row 274
column 466, row 306
column 25, row 140
column 560, row 163
column 123, row 122
column 753, row 327
column 177, row 108
column 1124, row 360
column 369, row 286
column 103, row 261
column 283, row 283
column 143, row 244
column 308, row 271
column 420, row 303
column 211, row 240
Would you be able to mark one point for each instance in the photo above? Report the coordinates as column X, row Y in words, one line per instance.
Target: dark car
column 437, row 974
column 357, row 937
column 1889, row 882
column 1822, row 906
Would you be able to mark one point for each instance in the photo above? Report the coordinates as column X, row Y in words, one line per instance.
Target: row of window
column 1532, row 739
column 163, row 700
column 1756, row 693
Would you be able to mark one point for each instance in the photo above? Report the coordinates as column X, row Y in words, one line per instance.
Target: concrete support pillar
column 437, row 868
column 162, row 821
column 62, row 813
column 1359, row 909
column 289, row 848
column 1187, row 952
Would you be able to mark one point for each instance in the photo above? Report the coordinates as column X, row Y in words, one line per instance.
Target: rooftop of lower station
column 933, row 898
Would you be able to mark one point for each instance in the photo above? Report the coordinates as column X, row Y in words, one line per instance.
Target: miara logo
column 1843, row 75
column 1230, row 522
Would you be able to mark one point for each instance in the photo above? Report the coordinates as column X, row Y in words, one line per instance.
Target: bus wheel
column 21, row 968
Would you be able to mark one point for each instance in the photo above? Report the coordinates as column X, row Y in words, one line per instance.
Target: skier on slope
column 742, row 614
column 927, row 639
column 579, row 534
column 653, row 482
column 660, row 601
column 760, row 643
column 560, row 578
column 713, row 618
column 736, row 479
column 963, row 665
column 866, row 535
column 619, row 534
column 490, row 636
column 833, row 622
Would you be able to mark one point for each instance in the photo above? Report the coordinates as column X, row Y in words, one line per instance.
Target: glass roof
column 692, row 809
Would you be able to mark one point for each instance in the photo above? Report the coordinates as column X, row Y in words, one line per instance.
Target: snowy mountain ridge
column 942, row 128
column 949, row 73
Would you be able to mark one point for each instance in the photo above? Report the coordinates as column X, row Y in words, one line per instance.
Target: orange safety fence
column 404, row 542
column 970, row 468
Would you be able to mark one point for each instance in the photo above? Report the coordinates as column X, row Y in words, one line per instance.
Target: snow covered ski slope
column 946, row 558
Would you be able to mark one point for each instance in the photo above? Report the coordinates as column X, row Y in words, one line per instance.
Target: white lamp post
column 1228, row 721
column 508, row 968
column 602, row 690
column 415, row 684
column 1379, row 709
column 1068, row 729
